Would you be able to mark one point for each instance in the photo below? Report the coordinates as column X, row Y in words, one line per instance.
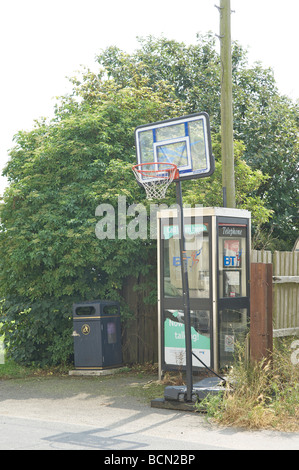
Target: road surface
column 87, row 413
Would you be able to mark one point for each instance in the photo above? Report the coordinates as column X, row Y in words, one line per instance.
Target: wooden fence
column 140, row 331
column 286, row 289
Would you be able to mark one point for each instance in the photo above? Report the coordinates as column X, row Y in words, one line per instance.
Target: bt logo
column 176, row 260
column 233, row 261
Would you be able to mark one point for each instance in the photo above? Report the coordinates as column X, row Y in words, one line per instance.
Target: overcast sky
column 43, row 42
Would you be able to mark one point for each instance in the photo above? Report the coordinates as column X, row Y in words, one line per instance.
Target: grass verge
column 265, row 395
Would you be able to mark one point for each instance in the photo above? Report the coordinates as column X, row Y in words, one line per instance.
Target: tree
column 272, row 146
column 208, row 191
column 265, row 121
column 59, row 173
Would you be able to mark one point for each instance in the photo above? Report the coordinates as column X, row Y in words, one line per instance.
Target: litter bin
column 97, row 335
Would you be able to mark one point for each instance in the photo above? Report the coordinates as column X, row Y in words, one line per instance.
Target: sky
column 43, row 42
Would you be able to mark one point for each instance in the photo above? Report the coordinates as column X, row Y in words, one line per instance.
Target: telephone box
column 217, row 248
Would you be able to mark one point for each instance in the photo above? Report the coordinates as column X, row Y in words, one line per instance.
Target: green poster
column 174, row 344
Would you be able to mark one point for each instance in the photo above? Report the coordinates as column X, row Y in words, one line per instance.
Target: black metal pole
column 185, row 285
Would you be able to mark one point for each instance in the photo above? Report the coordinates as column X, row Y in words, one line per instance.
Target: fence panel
column 262, row 256
column 286, row 287
column 140, row 332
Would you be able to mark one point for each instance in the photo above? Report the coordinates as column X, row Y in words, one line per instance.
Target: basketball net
column 155, row 178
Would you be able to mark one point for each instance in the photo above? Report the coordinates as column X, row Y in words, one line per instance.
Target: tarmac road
column 90, row 413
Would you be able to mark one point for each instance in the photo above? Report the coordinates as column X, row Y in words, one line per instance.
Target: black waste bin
column 97, row 335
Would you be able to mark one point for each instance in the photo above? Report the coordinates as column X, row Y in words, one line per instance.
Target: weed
column 265, row 394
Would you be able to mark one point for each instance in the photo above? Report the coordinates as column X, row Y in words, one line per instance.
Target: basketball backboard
column 183, row 141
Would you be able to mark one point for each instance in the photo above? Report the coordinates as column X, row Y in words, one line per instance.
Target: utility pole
column 227, row 138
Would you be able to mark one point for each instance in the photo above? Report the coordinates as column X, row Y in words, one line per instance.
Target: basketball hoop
column 155, row 177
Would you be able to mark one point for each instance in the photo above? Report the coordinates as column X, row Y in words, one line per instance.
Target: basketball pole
column 186, row 299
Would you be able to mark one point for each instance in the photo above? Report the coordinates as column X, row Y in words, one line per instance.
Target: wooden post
column 261, row 323
column 227, row 137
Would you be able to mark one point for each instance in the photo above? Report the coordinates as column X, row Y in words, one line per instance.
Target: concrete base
column 175, row 396
column 172, row 405
column 95, row 372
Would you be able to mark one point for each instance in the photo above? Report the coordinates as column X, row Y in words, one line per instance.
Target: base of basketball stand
column 175, row 396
